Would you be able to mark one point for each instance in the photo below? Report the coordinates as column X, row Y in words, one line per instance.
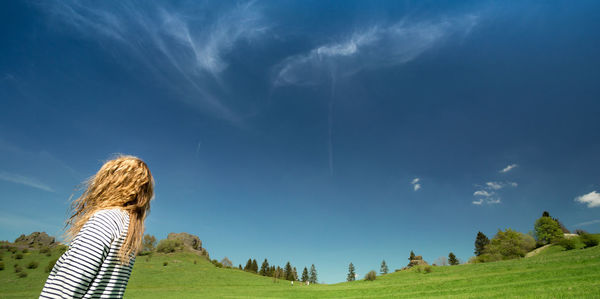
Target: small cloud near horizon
column 592, row 199
column 586, row 223
column 508, row 168
column 416, row 184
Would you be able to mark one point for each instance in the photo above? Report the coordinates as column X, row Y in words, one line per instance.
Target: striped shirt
column 91, row 268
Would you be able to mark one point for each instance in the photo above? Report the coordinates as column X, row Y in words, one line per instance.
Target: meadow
column 553, row 273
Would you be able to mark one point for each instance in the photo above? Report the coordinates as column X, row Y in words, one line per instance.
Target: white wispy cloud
column 592, row 199
column 376, row 46
column 23, row 180
column 489, row 193
column 416, row 184
column 494, row 185
column 508, row 168
column 184, row 45
column 482, row 193
column 586, row 223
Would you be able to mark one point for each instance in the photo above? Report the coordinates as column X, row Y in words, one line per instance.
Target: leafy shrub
column 45, row 249
column 32, row 265
column 427, row 269
column 18, row 269
column 168, row 246
column 165, row 263
column 371, row 276
column 588, row 240
column 19, row 256
column 12, row 249
column 547, row 230
column 508, row 244
column 567, row 244
column 50, row 265
column 1, row 266
column 217, row 263
column 22, row 274
column 25, row 250
column 48, row 253
column 62, row 248
column 195, row 262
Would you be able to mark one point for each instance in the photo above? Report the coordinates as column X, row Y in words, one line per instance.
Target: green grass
column 553, row 273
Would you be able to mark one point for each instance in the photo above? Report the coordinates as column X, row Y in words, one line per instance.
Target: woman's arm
column 76, row 269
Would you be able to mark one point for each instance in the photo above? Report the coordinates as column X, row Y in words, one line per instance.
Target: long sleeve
column 82, row 263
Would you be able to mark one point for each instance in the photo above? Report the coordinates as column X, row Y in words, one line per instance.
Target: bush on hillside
column 217, row 264
column 168, row 246
column 505, row 245
column 371, row 276
column 12, row 249
column 32, row 265
column 567, row 244
column 1, row 266
column 547, row 230
column 165, row 263
column 18, row 268
column 22, row 274
column 19, row 256
column 588, row 240
column 50, row 265
column 45, row 249
column 25, row 250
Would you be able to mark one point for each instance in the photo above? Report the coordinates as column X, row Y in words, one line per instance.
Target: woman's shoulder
column 113, row 216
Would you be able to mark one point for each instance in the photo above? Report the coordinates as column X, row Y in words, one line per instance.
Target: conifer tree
column 295, row 274
column 452, row 260
column 351, row 275
column 240, row 266
column 287, row 272
column 384, row 268
column 264, row 268
column 480, row 242
column 248, row 266
column 305, row 275
column 254, row 266
column 312, row 277
column 412, row 256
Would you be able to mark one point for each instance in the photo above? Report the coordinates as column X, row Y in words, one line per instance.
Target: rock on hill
column 189, row 240
column 36, row 239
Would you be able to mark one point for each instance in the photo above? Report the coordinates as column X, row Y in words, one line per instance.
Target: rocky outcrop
column 189, row 241
column 416, row 261
column 36, row 239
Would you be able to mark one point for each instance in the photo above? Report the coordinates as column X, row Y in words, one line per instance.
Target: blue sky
column 309, row 131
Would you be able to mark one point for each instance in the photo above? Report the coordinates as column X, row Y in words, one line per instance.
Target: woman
column 105, row 230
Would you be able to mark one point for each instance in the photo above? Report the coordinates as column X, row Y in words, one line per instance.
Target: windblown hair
column 125, row 183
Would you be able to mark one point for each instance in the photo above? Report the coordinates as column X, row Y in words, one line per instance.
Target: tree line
column 288, row 272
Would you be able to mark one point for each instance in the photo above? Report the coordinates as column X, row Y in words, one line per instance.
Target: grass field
column 553, row 273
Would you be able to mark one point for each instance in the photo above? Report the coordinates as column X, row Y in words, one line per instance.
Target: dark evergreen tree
column 264, row 268
column 545, row 214
column 351, row 274
column 271, row 271
column 295, row 274
column 305, row 275
column 248, row 266
column 312, row 277
column 279, row 272
column 240, row 266
column 412, row 256
column 452, row 260
column 384, row 268
column 288, row 273
column 480, row 242
column 254, row 266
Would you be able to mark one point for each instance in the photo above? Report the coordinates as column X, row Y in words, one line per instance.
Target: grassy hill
column 554, row 273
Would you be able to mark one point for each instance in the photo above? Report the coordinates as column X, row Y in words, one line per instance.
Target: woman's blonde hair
column 125, row 183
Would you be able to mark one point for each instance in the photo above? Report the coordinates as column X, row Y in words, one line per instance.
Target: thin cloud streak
column 416, row 184
column 374, row 47
column 23, row 180
column 175, row 43
column 586, row 223
column 508, row 168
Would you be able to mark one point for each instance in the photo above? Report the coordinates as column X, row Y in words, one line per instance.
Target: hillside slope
column 554, row 274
